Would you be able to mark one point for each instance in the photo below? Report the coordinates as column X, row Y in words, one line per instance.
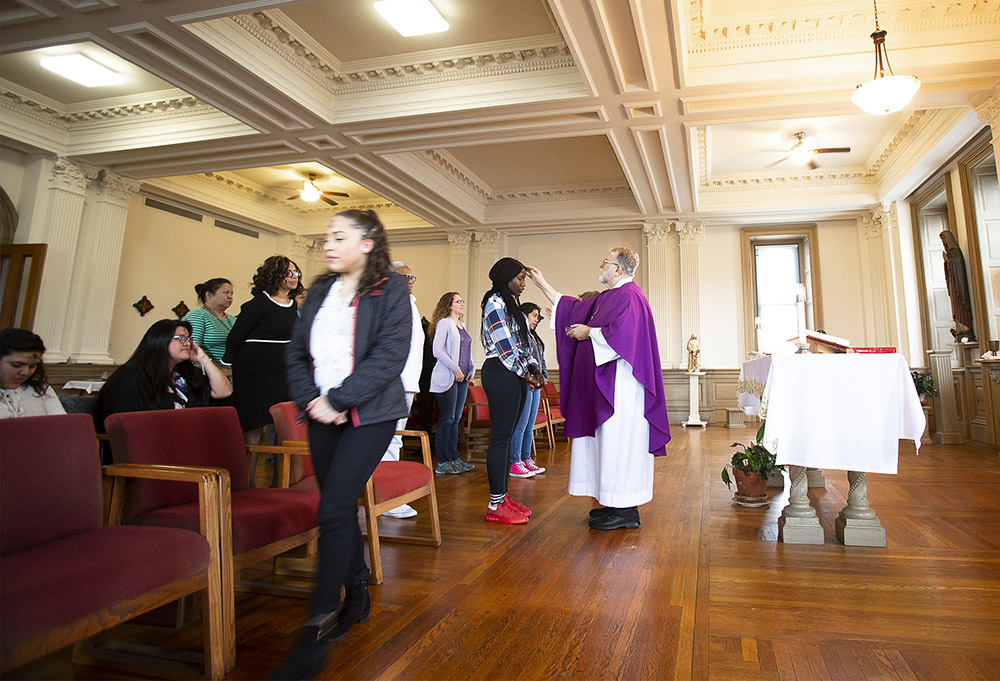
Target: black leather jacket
column 373, row 393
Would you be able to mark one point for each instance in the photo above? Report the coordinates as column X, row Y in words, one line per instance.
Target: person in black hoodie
column 343, row 364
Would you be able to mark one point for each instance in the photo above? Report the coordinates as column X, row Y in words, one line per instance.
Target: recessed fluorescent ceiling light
column 412, row 17
column 82, row 70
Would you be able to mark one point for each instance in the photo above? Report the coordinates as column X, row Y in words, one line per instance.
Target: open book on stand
column 820, row 343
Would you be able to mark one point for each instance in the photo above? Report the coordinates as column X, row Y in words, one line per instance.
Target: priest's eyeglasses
column 608, row 262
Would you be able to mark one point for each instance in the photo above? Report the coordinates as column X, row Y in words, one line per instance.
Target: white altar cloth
column 753, row 376
column 845, row 412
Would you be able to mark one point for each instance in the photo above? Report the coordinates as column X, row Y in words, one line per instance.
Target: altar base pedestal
column 694, row 418
column 857, row 524
column 799, row 523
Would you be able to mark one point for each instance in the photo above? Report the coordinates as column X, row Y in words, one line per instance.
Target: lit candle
column 800, row 313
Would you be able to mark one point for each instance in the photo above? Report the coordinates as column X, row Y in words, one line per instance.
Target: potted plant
column 924, row 383
column 752, row 465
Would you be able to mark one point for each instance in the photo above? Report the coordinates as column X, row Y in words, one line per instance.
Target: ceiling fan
column 802, row 155
column 310, row 193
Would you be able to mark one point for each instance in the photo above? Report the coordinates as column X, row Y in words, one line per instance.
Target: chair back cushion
column 288, row 427
column 481, row 413
column 50, row 480
column 207, row 436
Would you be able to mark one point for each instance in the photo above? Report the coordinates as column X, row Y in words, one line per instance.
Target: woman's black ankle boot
column 309, row 657
column 357, row 608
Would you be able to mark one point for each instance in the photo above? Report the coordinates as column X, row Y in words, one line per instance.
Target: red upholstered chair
column 477, row 423
column 257, row 523
column 63, row 576
column 550, row 402
column 392, row 484
column 542, row 424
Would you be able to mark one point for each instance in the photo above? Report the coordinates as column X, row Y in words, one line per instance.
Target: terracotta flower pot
column 751, row 489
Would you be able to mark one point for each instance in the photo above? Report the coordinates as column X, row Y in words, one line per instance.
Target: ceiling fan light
column 309, row 193
column 886, row 94
column 800, row 156
column 411, row 17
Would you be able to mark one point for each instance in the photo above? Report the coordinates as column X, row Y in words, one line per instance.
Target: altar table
column 839, row 411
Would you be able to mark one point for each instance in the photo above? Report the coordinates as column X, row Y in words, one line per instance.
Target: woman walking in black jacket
column 343, row 363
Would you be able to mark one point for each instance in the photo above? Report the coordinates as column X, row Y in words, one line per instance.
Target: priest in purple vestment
column 611, row 391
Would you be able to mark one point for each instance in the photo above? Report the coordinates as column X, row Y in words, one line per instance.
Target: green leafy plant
column 752, row 458
column 924, row 383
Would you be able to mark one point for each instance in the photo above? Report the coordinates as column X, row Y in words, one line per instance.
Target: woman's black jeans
column 505, row 391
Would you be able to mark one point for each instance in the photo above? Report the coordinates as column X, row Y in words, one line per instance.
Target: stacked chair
column 65, row 577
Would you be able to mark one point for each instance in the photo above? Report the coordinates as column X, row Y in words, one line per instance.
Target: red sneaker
column 520, row 508
column 505, row 513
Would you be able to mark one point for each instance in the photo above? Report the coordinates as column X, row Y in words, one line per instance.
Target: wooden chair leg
column 374, row 551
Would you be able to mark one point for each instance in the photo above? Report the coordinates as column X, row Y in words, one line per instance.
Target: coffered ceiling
column 525, row 114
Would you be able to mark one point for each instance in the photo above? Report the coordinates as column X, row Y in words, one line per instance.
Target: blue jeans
column 520, row 441
column 450, row 404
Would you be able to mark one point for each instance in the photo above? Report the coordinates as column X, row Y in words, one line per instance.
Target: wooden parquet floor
column 700, row 591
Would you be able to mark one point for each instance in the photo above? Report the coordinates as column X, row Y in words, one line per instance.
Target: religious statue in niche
column 694, row 354
column 958, row 288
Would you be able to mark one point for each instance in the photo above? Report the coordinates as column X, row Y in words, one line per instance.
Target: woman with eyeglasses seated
column 168, row 370
column 23, row 388
column 255, row 347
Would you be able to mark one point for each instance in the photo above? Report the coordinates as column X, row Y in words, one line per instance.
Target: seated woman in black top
column 167, row 371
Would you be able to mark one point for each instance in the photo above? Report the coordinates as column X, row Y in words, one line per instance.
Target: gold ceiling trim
column 163, row 108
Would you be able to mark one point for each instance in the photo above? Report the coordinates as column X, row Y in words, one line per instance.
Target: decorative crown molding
column 463, row 67
column 70, row 119
column 904, row 131
column 875, row 222
column 533, row 196
column 704, row 38
column 989, row 111
column 488, row 240
column 657, row 235
column 451, row 169
column 303, row 245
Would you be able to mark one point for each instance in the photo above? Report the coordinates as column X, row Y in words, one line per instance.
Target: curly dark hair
column 378, row 263
column 20, row 340
column 270, row 275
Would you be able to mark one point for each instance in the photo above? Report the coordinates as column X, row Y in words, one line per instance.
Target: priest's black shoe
column 309, row 657
column 601, row 512
column 614, row 522
column 357, row 608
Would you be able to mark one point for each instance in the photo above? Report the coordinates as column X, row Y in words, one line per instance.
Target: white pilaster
column 488, row 247
column 56, row 221
column 308, row 253
column 692, row 238
column 95, row 272
column 658, row 267
column 461, row 245
column 876, row 267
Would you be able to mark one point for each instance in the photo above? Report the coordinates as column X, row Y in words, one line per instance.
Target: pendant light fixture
column 884, row 94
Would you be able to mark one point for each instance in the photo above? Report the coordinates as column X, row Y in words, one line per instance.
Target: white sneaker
column 404, row 511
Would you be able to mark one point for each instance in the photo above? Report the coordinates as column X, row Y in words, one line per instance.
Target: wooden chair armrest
column 213, row 492
column 292, row 447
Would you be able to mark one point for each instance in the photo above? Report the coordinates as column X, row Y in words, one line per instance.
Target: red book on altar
column 876, row 350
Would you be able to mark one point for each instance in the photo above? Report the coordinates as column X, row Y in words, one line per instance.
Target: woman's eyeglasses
column 183, row 340
column 294, row 273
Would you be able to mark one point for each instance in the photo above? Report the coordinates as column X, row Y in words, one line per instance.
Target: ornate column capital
column 989, row 110
column 691, row 233
column 460, row 242
column 68, row 176
column 656, row 234
column 488, row 240
column 303, row 245
column 116, row 187
column 875, row 221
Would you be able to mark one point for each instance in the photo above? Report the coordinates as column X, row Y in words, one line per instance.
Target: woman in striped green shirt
column 210, row 324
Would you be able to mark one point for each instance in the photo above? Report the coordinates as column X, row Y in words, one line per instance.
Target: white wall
column 722, row 343
column 840, row 280
column 431, row 262
column 164, row 256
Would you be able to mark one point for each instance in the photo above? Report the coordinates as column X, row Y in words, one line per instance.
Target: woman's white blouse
column 331, row 340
